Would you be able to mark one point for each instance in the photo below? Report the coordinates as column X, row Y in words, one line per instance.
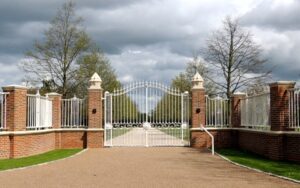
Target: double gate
column 146, row 114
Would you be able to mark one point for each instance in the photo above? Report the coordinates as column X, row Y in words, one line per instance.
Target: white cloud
column 10, row 73
column 153, row 39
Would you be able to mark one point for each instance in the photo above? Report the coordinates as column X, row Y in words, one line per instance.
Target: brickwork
column 279, row 105
column 266, row 144
column 22, row 144
column 198, row 107
column 223, row 138
column 4, row 147
column 95, row 139
column 16, row 107
column 73, row 139
column 236, row 109
column 292, row 147
column 56, row 109
column 95, row 136
column 95, row 108
column 272, row 145
column 32, row 144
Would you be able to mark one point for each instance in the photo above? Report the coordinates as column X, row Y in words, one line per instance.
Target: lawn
column 120, row 131
column 176, row 132
column 116, row 132
column 37, row 159
column 287, row 169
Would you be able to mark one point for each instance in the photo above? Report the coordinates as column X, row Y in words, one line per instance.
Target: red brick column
column 56, row 109
column 198, row 107
column 95, row 136
column 16, row 107
column 95, row 108
column 279, row 111
column 236, row 109
column 198, row 101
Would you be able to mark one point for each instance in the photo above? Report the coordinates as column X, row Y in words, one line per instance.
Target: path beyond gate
column 146, row 114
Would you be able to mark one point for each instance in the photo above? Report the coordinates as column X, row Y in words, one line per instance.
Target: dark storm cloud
column 24, row 10
column 284, row 65
column 14, row 17
column 145, row 39
column 277, row 25
column 281, row 16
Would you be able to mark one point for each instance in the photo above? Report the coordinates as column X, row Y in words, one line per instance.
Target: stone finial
column 197, row 81
column 95, row 82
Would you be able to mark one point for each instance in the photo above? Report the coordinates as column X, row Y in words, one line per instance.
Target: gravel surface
column 140, row 167
column 155, row 137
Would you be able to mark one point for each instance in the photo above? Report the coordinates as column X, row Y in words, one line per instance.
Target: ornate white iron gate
column 146, row 114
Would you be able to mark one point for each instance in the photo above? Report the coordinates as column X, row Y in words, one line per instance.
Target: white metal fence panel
column 217, row 112
column 74, row 113
column 294, row 108
column 3, row 107
column 39, row 112
column 255, row 111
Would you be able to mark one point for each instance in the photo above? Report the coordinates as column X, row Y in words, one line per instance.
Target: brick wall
column 72, row 139
column 291, row 147
column 273, row 145
column 32, row 144
column 4, row 147
column 22, row 144
column 223, row 138
column 266, row 144
column 270, row 144
column 95, row 139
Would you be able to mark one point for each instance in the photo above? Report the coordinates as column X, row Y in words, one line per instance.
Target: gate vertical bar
column 182, row 117
column 146, row 102
column 105, row 117
column 146, row 112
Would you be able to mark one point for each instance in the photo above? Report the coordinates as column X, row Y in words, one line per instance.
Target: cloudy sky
column 153, row 39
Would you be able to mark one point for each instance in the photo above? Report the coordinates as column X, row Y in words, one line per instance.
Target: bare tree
column 235, row 57
column 53, row 59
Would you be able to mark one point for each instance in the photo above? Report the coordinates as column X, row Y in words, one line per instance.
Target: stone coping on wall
column 210, row 128
column 3, row 133
column 283, row 83
column 249, row 130
column 28, row 132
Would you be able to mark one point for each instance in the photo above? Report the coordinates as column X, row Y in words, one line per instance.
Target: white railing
column 212, row 139
column 3, row 110
column 39, row 112
column 255, row 111
column 217, row 112
column 294, row 108
column 74, row 113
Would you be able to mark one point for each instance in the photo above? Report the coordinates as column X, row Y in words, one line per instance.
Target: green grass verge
column 117, row 132
column 120, row 131
column 286, row 169
column 37, row 159
column 176, row 132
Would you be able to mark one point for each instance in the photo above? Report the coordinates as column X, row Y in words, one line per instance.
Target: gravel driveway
column 140, row 167
column 155, row 137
